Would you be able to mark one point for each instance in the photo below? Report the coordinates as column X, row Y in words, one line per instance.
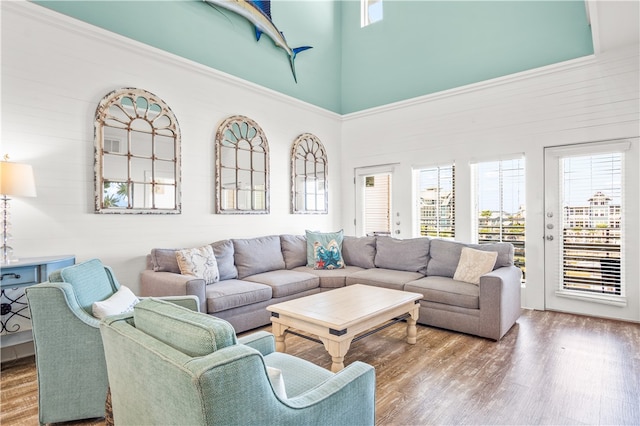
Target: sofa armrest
column 262, row 341
column 500, row 301
column 160, row 284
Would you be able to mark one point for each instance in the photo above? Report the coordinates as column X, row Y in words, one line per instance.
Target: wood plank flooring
column 550, row 369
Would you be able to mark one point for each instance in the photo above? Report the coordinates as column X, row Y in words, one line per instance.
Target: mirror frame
column 231, row 133
column 305, row 146
column 121, row 109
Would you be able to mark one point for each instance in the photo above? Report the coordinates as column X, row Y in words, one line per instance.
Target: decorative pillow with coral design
column 324, row 250
column 200, row 263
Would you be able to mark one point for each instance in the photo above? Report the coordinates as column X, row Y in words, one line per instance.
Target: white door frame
column 627, row 307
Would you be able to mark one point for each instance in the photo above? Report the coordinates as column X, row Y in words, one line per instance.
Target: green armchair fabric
column 160, row 376
column 70, row 363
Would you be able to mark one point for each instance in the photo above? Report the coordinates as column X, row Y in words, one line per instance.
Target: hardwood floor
column 550, row 368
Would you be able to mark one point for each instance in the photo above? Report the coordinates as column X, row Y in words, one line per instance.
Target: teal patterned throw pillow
column 324, row 250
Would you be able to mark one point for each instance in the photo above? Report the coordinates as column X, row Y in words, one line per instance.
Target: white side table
column 15, row 321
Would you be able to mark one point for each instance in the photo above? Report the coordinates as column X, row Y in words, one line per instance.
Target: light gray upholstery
column 422, row 265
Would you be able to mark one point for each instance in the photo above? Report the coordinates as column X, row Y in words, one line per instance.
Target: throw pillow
column 473, row 264
column 120, row 302
column 199, row 262
column 275, row 376
column 324, row 250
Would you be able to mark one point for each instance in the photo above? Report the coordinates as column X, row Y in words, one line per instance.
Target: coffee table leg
column 337, row 350
column 278, row 331
column 412, row 330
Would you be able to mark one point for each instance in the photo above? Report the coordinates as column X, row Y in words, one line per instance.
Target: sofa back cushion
column 223, row 250
column 164, row 260
column 294, row 250
column 445, row 256
column 257, row 255
column 411, row 255
column 190, row 332
column 359, row 251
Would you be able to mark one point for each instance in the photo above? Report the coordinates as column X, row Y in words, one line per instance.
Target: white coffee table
column 338, row 316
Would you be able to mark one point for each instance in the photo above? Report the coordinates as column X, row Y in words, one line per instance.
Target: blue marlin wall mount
column 259, row 14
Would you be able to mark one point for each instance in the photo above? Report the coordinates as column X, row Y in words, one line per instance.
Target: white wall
column 55, row 71
column 590, row 99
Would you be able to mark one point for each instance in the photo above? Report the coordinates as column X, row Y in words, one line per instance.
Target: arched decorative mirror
column 242, row 167
column 137, row 154
column 309, row 185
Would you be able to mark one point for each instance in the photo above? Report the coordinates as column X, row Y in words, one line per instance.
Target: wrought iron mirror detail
column 137, row 154
column 309, row 185
column 242, row 167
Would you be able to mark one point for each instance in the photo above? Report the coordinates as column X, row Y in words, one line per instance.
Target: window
column 436, row 201
column 500, row 209
column 377, row 204
column 592, row 223
column 370, row 12
column 242, row 167
column 137, row 154
column 308, row 175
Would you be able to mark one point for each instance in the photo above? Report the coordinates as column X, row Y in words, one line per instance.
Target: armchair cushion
column 91, row 281
column 120, row 302
column 193, row 333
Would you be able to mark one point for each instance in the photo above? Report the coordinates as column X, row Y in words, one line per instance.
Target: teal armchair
column 70, row 363
column 168, row 365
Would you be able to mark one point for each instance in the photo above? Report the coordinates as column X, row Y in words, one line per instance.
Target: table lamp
column 16, row 180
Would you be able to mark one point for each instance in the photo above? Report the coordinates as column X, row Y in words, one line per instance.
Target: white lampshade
column 17, row 179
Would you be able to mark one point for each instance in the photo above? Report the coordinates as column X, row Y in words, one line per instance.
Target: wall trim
column 86, row 30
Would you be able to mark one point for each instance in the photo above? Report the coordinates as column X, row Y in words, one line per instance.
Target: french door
column 591, row 229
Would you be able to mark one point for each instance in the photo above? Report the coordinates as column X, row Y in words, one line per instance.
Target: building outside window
column 436, row 201
column 500, row 204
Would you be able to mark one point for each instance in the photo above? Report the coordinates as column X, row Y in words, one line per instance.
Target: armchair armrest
column 189, row 302
column 262, row 341
column 63, row 291
column 160, row 284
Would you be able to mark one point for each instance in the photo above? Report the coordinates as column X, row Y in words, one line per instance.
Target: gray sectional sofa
column 261, row 271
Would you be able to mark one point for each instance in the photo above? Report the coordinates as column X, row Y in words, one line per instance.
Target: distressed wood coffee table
column 339, row 316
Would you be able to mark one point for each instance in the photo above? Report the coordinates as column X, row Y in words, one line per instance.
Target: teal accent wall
column 423, row 47
column 419, row 48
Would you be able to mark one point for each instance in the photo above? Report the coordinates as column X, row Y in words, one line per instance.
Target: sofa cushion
column 359, row 251
column 331, row 278
column 233, row 293
column 164, row 260
column 223, row 250
column 473, row 264
column 199, row 262
column 446, row 291
column 409, row 255
column 256, row 255
column 445, row 255
column 380, row 277
column 285, row 282
column 324, row 250
column 294, row 250
column 193, row 333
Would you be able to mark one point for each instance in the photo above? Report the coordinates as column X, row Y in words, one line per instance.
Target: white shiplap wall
column 588, row 99
column 55, row 70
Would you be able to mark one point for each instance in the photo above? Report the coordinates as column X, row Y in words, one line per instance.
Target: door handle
column 549, row 237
